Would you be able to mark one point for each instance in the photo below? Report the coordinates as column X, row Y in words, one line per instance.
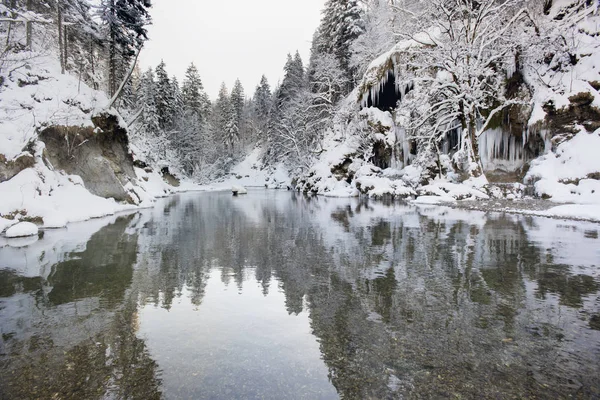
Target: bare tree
column 459, row 67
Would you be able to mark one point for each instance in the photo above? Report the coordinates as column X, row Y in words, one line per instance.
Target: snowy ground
column 528, row 206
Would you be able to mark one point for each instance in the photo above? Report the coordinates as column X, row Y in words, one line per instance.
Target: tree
column 126, row 22
column 226, row 122
column 194, row 98
column 468, row 50
column 150, row 125
column 262, row 103
column 327, row 85
column 377, row 36
column 238, row 100
column 341, row 24
column 163, row 97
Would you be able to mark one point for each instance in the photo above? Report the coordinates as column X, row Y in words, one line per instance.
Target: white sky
column 229, row 39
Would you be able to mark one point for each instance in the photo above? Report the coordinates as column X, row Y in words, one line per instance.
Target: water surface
column 274, row 295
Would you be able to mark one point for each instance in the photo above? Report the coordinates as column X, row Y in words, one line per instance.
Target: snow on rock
column 236, row 189
column 40, row 94
column 453, row 191
column 433, row 200
column 571, row 173
column 37, row 98
column 22, row 229
column 589, row 212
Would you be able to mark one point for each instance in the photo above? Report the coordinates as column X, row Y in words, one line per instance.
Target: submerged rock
column 238, row 190
column 22, row 229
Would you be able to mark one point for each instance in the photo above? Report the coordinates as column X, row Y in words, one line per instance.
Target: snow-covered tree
column 226, row 128
column 459, row 66
column 163, row 97
column 125, row 22
column 327, row 85
column 149, row 119
column 341, row 25
column 194, row 98
column 261, row 107
column 377, row 38
column 238, row 101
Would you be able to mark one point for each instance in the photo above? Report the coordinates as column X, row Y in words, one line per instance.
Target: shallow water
column 274, row 295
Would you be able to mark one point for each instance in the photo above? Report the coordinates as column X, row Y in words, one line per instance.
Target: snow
column 40, row 95
column 433, row 200
column 565, row 175
column 589, row 212
column 22, row 229
column 251, row 172
column 452, row 191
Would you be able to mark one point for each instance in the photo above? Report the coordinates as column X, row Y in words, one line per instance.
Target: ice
column 499, row 149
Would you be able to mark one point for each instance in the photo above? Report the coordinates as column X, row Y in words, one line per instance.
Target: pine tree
column 262, row 99
column 238, row 105
column 149, row 119
column 293, row 80
column 195, row 99
column 237, row 100
column 261, row 109
column 126, row 22
column 225, row 118
column 163, row 97
column 176, row 106
column 340, row 26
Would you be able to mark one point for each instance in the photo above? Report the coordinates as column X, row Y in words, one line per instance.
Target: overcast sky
column 230, row 39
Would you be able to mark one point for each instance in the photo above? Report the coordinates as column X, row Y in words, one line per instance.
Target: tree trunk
column 12, row 4
column 60, row 37
column 112, row 67
column 474, row 149
column 29, row 27
column 93, row 63
column 66, row 47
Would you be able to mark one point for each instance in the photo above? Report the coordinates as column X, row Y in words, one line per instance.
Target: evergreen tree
column 149, row 125
column 163, row 97
column 293, row 79
column 340, row 26
column 237, row 101
column 176, row 107
column 262, row 99
column 194, row 98
column 261, row 109
column 126, row 22
column 225, row 118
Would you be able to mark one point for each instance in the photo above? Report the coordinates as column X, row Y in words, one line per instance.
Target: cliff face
column 99, row 155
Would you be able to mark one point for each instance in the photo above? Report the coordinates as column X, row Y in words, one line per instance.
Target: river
column 274, row 295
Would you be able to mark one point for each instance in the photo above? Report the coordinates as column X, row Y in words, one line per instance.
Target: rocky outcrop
column 99, row 155
column 169, row 177
column 10, row 168
column 563, row 123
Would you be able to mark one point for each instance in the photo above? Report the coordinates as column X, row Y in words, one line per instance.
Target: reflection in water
column 275, row 295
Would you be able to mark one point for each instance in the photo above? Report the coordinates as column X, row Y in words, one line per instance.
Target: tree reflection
column 426, row 303
column 405, row 302
column 73, row 336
